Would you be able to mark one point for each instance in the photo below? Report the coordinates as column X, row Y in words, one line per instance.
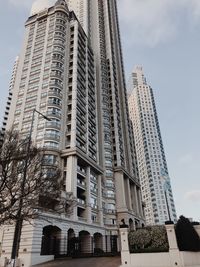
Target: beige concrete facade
column 75, row 77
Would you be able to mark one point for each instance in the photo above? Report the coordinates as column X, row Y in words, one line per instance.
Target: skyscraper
column 117, row 155
column 70, row 69
column 152, row 165
column 11, row 86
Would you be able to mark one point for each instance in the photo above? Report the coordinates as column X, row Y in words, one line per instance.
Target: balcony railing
column 53, row 93
column 109, row 195
column 53, row 114
column 53, row 124
column 52, row 137
column 81, row 170
column 110, row 211
column 81, row 202
column 109, row 185
column 81, row 183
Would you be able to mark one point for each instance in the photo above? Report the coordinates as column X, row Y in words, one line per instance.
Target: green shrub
column 159, row 237
column 149, row 239
column 140, row 238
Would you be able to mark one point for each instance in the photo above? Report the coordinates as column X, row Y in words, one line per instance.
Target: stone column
column 125, row 254
column 100, row 208
column 140, row 201
column 136, row 200
column 71, row 179
column 71, row 176
column 173, row 247
column 133, row 198
column 88, row 196
column 120, row 189
column 129, row 204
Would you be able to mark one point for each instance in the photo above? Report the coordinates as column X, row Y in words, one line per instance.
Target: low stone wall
column 26, row 260
column 163, row 259
column 190, row 258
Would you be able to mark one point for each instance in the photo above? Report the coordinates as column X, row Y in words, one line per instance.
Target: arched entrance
column 137, row 224
column 85, row 245
column 131, row 225
column 98, row 244
column 50, row 240
column 71, row 242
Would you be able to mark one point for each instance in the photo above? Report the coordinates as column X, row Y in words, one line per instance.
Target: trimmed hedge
column 149, row 239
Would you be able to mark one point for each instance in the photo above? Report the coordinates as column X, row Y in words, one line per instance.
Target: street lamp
column 19, row 220
column 166, row 187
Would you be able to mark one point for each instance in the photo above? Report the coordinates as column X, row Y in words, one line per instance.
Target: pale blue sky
column 163, row 37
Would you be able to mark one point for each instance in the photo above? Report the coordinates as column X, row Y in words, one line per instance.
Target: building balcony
column 94, row 191
column 54, row 104
column 53, row 114
column 56, row 84
column 67, row 144
column 81, row 183
column 54, row 66
column 81, row 118
column 108, row 164
column 81, row 126
column 59, row 50
column 58, row 59
column 94, row 206
column 52, row 137
column 108, row 195
column 108, row 185
column 81, row 171
column 109, row 211
column 52, row 148
column 56, row 75
column 53, row 124
column 59, row 42
column 92, row 148
column 81, row 202
column 92, row 138
column 54, row 93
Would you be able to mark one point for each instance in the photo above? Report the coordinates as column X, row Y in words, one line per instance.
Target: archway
column 71, row 242
column 98, row 243
column 137, row 224
column 50, row 240
column 131, row 225
column 85, row 244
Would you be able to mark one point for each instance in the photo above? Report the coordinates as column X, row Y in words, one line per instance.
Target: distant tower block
column 152, row 164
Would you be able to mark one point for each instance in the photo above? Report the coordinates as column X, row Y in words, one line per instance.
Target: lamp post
column 166, row 187
column 19, row 220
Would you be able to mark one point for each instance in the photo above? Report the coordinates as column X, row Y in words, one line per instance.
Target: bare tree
column 42, row 187
column 28, row 185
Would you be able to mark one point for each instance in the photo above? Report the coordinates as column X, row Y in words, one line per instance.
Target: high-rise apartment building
column 152, row 165
column 70, row 69
column 8, row 103
column 116, row 152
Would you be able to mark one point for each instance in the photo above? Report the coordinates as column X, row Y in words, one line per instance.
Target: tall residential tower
column 152, row 165
column 70, row 69
column 8, row 103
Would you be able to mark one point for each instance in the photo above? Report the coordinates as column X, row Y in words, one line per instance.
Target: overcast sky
column 162, row 36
